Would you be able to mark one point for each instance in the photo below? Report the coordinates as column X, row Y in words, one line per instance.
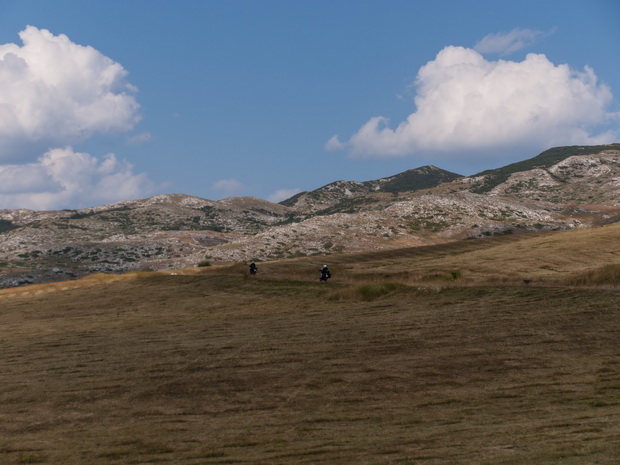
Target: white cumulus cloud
column 54, row 92
column 466, row 103
column 64, row 177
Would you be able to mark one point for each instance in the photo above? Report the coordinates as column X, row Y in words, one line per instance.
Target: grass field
column 441, row 355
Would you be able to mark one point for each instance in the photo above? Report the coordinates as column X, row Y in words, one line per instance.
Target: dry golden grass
column 413, row 364
column 606, row 275
column 546, row 259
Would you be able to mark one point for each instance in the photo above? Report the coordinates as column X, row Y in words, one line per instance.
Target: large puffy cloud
column 63, row 177
column 54, row 92
column 466, row 103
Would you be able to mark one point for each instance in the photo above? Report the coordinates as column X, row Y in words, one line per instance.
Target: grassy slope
column 544, row 258
column 548, row 258
column 211, row 367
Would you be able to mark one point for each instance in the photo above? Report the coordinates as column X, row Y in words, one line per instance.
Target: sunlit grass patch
column 606, row 275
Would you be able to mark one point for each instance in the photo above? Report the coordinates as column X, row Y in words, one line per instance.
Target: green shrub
column 441, row 276
column 454, row 275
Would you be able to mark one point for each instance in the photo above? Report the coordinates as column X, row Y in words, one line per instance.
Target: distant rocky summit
column 562, row 188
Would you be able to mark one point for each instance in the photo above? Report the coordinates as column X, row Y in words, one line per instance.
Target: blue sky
column 110, row 100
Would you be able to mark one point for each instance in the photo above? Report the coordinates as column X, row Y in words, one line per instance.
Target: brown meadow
column 495, row 351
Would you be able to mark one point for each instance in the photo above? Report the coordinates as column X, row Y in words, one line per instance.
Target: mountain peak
column 416, row 179
column 326, row 198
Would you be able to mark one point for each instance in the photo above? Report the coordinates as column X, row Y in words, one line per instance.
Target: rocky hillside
column 566, row 187
column 161, row 232
column 349, row 196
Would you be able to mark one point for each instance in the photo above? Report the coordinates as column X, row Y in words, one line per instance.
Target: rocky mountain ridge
column 341, row 195
column 564, row 187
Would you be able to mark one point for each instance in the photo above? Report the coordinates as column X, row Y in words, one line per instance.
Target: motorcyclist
column 325, row 274
column 253, row 268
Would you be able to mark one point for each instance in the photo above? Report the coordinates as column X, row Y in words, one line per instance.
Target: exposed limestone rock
column 418, row 207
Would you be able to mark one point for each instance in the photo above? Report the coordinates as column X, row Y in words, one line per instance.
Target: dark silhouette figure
column 253, row 268
column 325, row 274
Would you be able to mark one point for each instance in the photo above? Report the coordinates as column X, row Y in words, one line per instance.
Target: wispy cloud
column 55, row 93
column 228, row 187
column 140, row 138
column 505, row 43
column 465, row 102
column 282, row 194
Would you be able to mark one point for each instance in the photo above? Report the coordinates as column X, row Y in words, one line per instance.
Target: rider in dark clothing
column 325, row 274
column 253, row 268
